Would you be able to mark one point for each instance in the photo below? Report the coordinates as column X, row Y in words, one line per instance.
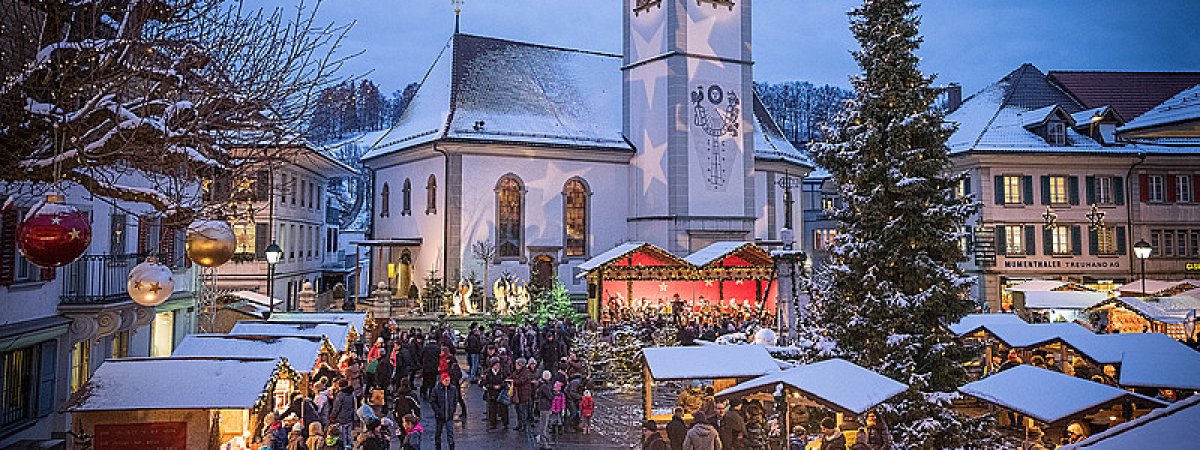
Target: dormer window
column 1056, row 133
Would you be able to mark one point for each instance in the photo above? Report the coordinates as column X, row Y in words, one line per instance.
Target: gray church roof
column 486, row 89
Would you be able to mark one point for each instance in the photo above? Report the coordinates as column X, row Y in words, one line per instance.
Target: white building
column 57, row 326
column 556, row 155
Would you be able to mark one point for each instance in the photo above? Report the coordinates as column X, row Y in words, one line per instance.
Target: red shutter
column 1172, row 183
column 9, row 218
column 1196, row 188
column 1144, row 187
column 166, row 245
column 144, row 224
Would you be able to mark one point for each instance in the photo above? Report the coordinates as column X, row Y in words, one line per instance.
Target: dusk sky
column 973, row 42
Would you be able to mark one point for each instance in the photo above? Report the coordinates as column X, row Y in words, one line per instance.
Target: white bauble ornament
column 150, row 283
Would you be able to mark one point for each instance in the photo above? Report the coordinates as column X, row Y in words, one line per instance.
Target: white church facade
column 556, row 155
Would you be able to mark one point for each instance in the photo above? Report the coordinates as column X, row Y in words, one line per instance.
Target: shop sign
column 1193, row 267
column 1035, row 263
column 155, row 435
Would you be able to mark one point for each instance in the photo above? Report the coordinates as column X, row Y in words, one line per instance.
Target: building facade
column 548, row 156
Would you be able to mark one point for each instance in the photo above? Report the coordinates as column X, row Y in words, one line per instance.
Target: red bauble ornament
column 54, row 234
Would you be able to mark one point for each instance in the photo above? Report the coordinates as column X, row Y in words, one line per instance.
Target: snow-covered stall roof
column 1045, row 395
column 658, row 256
column 300, row 351
column 1063, row 299
column 257, row 298
column 972, row 322
column 337, row 333
column 1109, row 348
column 1030, row 335
column 1157, row 369
column 709, row 362
column 1149, row 311
column 835, row 383
column 1183, row 106
column 1170, row 427
column 1038, row 285
column 357, row 319
column 716, row 253
column 176, row 383
column 1154, row 287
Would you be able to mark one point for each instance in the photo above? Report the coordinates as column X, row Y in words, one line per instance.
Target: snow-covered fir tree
column 894, row 279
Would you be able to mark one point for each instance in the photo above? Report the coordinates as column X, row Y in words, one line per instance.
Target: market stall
column 1156, row 288
column 1174, row 316
column 717, row 366
column 1056, row 306
column 1170, row 427
column 724, row 279
column 835, row 384
column 301, row 352
column 1051, row 401
column 180, row 402
column 1139, row 360
column 361, row 323
column 338, row 333
column 1024, row 340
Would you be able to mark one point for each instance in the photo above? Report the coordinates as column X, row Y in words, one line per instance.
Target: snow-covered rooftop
column 1038, row 285
column 836, row 383
column 300, row 351
column 718, row 251
column 1030, row 335
column 1154, row 287
column 769, row 142
column 974, row 322
column 611, row 254
column 357, row 319
column 1063, row 299
column 337, row 333
column 1045, row 395
column 1159, row 369
column 176, row 383
column 257, row 298
column 1170, row 427
column 1150, row 310
column 709, row 362
column 1183, row 106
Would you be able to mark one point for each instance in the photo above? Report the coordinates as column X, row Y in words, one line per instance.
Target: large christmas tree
column 894, row 279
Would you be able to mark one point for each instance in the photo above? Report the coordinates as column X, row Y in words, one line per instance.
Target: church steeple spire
column 457, row 13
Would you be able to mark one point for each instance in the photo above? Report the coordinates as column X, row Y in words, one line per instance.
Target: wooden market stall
column 361, row 323
column 723, row 365
column 1139, row 360
column 301, row 352
column 338, row 333
column 1173, row 316
column 180, row 402
column 835, row 384
column 1170, row 427
column 1051, row 401
column 723, row 277
column 998, row 339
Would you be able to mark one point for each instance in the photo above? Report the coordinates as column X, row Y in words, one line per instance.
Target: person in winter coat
column 316, row 437
column 651, row 440
column 412, row 433
column 474, row 348
column 341, row 413
column 831, row 436
column 430, row 356
column 295, row 438
column 444, row 401
column 522, row 388
column 372, row 438
column 587, row 407
column 677, row 429
column 558, row 408
column 731, row 426
column 332, row 440
column 382, row 378
column 543, row 397
column 304, row 409
column 875, row 434
column 493, row 382
column 405, row 401
column 702, row 435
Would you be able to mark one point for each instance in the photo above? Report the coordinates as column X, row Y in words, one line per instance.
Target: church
column 544, row 157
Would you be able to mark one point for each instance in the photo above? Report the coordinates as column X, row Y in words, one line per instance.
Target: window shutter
column 998, row 186
column 262, row 185
column 1073, row 190
column 9, row 218
column 262, row 239
column 1093, row 242
column 1172, row 183
column 47, row 359
column 1144, row 187
column 1196, row 188
column 966, row 185
column 1028, row 185
column 1001, row 241
column 1047, row 240
column 1045, row 190
column 166, row 245
column 1121, row 239
column 1118, row 185
column 1076, row 240
column 143, row 244
column 1030, row 244
column 1089, row 187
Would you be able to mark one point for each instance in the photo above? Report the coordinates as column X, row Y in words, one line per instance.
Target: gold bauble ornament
column 210, row 243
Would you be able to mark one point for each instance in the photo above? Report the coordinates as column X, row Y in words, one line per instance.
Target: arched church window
column 431, row 195
column 575, row 217
column 407, row 201
column 509, row 216
column 385, row 195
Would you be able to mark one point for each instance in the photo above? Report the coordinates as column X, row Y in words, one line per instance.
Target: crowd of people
column 717, row 315
column 366, row 397
column 743, row 425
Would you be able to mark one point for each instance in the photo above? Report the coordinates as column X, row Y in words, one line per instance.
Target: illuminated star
column 738, row 282
column 663, row 287
column 74, row 234
column 56, row 220
column 155, row 287
column 708, row 283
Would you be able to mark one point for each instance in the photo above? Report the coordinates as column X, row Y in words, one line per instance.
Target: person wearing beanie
column 316, row 436
column 444, row 401
column 651, row 439
column 543, row 399
column 702, row 435
column 412, row 433
column 677, row 429
column 295, row 438
column 831, row 436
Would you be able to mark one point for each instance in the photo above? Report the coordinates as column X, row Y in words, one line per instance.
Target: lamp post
column 1142, row 250
column 274, row 254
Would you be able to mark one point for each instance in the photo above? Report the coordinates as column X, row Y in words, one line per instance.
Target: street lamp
column 1142, row 250
column 274, row 254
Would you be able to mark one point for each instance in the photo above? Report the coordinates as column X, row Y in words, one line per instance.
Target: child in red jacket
column 587, row 407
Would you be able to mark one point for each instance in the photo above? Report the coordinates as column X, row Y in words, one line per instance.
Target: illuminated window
column 81, row 358
column 575, row 208
column 823, row 239
column 18, row 385
column 1104, row 190
column 1060, row 240
column 509, row 220
column 1106, row 241
column 1013, row 190
column 244, row 231
column 120, row 345
column 1014, row 240
column 1058, row 190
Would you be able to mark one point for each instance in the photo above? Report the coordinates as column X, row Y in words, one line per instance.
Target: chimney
column 953, row 97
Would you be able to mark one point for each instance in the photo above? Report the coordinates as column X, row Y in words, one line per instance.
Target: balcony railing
column 97, row 279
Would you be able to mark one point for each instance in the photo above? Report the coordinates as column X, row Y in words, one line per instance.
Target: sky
column 972, row 42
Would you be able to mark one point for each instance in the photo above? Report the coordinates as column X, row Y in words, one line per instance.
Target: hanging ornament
column 150, row 283
column 210, row 243
column 54, row 233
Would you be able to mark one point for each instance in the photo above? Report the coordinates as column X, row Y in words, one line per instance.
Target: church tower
column 688, row 87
